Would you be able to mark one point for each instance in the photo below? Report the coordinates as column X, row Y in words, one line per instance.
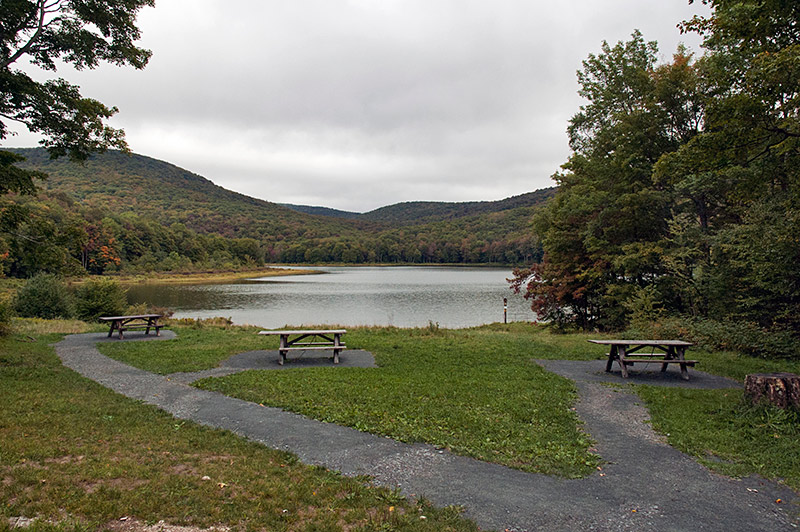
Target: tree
column 683, row 189
column 81, row 33
column 601, row 232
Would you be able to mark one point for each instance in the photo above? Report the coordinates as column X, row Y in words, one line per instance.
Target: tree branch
column 43, row 9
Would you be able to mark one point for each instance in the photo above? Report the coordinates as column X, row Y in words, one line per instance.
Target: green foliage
column 6, row 313
column 44, row 296
column 79, row 33
column 136, row 214
column 682, row 195
column 727, row 335
column 96, row 298
column 14, row 178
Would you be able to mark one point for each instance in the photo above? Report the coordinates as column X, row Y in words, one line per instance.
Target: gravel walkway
column 645, row 486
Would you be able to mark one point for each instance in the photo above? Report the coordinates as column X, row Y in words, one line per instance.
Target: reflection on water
column 409, row 296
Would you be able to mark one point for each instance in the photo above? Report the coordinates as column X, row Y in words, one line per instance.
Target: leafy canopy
column 682, row 194
column 49, row 33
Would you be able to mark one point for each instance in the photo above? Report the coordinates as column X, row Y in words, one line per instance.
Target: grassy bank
column 80, row 457
column 202, row 277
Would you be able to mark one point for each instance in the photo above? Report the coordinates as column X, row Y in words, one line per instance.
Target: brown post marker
column 505, row 310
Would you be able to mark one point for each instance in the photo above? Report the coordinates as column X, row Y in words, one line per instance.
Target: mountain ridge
column 122, row 187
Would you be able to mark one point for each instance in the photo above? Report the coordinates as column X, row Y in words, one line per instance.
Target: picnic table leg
column 281, row 350
column 111, row 329
column 336, row 347
column 682, row 356
column 149, row 324
column 621, row 360
column 669, row 356
column 612, row 354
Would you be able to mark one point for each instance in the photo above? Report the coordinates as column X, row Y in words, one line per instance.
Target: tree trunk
column 779, row 389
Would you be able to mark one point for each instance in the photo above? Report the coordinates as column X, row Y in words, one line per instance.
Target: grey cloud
column 361, row 103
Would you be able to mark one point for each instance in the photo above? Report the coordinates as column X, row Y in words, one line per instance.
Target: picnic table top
column 642, row 342
column 132, row 316
column 308, row 331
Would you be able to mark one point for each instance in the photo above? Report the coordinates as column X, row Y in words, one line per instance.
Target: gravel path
column 645, row 486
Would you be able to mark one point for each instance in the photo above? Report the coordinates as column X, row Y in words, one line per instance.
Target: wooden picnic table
column 628, row 352
column 302, row 340
column 135, row 321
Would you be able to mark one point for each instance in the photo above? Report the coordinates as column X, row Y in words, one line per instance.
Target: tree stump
column 779, row 389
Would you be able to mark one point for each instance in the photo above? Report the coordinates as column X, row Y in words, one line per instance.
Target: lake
column 403, row 296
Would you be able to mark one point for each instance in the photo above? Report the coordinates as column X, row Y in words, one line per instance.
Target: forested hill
column 416, row 212
column 321, row 211
column 146, row 186
column 422, row 212
column 131, row 212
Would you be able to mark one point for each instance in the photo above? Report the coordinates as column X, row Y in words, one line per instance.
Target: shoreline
column 198, row 277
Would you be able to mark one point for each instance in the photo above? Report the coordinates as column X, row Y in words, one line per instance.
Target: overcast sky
column 356, row 104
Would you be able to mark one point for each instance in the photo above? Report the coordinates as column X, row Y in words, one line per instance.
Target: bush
column 97, row 298
column 5, row 316
column 44, row 296
column 723, row 335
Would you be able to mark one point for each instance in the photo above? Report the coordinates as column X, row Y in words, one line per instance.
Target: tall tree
column 602, row 231
column 709, row 152
column 740, row 178
column 45, row 33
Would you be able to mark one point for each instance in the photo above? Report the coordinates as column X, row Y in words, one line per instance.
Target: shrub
column 97, row 298
column 725, row 335
column 5, row 316
column 44, row 296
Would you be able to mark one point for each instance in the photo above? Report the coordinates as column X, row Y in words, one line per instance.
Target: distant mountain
column 420, row 212
column 135, row 183
column 322, row 211
column 117, row 193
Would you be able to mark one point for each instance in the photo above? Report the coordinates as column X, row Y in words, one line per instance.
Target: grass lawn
column 80, row 457
column 474, row 392
column 722, row 430
column 197, row 347
column 726, row 434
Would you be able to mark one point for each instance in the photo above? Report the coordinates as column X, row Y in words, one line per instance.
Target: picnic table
column 628, row 352
column 302, row 340
column 135, row 321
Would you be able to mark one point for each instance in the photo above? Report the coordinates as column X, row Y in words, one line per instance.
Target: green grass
column 197, row 347
column 474, row 392
column 79, row 457
column 721, row 429
column 727, row 434
column 736, row 366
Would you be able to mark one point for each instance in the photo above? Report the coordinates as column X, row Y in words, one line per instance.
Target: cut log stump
column 779, row 389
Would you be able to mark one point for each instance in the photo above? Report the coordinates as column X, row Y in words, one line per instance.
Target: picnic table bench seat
column 309, row 339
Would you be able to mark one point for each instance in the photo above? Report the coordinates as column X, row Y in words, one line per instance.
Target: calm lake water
column 408, row 296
